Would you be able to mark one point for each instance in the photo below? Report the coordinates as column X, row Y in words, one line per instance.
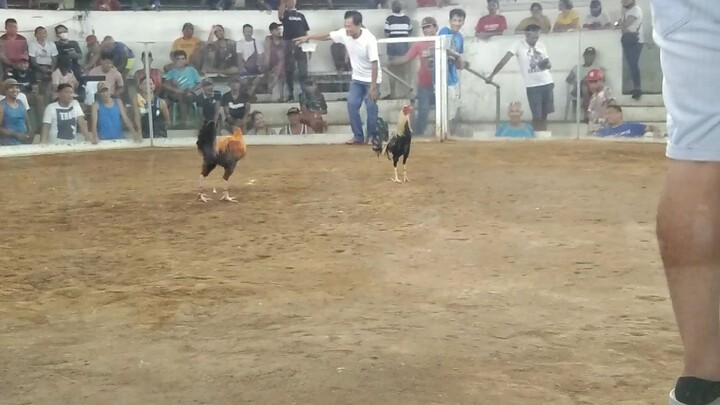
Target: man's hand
column 373, row 93
column 300, row 40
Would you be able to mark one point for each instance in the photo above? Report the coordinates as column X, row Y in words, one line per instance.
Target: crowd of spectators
column 45, row 71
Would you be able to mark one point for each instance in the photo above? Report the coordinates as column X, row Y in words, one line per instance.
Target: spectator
column 397, row 25
column 108, row 116
column 14, row 46
column 43, row 57
column 313, row 107
column 589, row 63
column 455, row 62
column 491, row 24
column 113, row 78
column 158, row 108
column 632, row 42
column 70, row 48
column 425, row 93
column 155, row 74
column 236, row 105
column 23, row 75
column 275, row 61
column 568, row 19
column 188, row 44
column 62, row 119
column 94, row 52
column 259, row 126
column 602, row 96
column 181, row 82
column 63, row 75
column 21, row 96
column 375, row 4
column 294, row 26
column 615, row 126
column 536, row 18
column 535, row 68
column 270, row 5
column 107, row 5
column 294, row 126
column 251, row 52
column 209, row 101
column 597, row 20
column 515, row 128
column 362, row 49
column 122, row 56
column 221, row 56
column 14, row 125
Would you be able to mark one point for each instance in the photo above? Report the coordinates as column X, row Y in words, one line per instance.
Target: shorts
column 541, row 100
column 690, row 60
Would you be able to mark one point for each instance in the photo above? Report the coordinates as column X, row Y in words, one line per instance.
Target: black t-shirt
column 208, row 104
column 236, row 106
column 26, row 79
column 294, row 25
column 64, row 49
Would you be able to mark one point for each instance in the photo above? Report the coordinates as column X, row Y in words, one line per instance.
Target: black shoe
column 636, row 94
column 696, row 391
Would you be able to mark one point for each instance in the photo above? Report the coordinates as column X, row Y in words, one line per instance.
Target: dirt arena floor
column 504, row 273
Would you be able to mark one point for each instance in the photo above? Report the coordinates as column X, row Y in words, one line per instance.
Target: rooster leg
column 396, row 179
column 201, row 192
column 405, row 177
column 226, row 194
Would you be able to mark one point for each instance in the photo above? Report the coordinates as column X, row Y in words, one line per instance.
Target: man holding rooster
column 362, row 49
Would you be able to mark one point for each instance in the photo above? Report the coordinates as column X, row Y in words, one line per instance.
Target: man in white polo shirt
column 362, row 49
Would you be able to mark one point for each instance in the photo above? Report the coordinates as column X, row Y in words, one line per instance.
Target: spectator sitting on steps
column 181, row 83
column 568, row 19
column 616, row 127
column 515, row 128
column 189, row 44
column 597, row 20
column 602, row 97
column 491, row 24
column 221, row 54
column 259, row 126
column 295, row 126
column 536, row 18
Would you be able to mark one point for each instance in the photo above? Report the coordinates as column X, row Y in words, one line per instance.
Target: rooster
column 399, row 144
column 224, row 151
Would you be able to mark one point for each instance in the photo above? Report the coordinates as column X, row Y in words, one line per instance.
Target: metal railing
column 497, row 92
column 399, row 80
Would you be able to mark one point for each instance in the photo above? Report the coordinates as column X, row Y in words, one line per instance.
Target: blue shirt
column 457, row 44
column 14, row 119
column 506, row 130
column 109, row 125
column 626, row 129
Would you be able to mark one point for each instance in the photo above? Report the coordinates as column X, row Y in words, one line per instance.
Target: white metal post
column 439, row 89
column 578, row 87
column 443, row 67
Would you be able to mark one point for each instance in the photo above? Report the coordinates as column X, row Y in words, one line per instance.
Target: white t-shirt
column 602, row 19
column 528, row 58
column 43, row 54
column 22, row 97
column 362, row 52
column 63, row 121
column 247, row 49
column 636, row 26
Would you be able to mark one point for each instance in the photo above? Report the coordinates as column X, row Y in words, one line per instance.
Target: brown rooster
column 224, row 151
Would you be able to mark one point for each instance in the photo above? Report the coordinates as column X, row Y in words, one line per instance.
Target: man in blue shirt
column 615, row 126
column 457, row 45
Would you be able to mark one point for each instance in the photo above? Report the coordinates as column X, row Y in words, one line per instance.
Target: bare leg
column 226, row 194
column 688, row 227
column 201, row 191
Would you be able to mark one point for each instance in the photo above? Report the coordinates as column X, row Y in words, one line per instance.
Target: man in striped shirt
column 397, row 25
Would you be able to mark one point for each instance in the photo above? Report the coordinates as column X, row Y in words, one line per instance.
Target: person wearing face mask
column 596, row 20
column 70, row 48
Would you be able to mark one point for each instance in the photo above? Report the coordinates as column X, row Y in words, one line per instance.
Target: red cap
column 595, row 75
column 91, row 38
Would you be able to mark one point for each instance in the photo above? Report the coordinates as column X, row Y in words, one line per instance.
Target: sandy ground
column 505, row 273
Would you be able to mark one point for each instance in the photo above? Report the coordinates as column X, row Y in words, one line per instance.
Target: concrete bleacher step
column 276, row 113
column 647, row 100
column 644, row 113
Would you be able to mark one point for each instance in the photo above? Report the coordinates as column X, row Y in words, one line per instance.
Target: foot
column 396, row 180
column 226, row 197
column 202, row 197
column 405, row 179
column 695, row 391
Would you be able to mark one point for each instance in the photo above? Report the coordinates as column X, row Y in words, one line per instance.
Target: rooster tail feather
column 206, row 140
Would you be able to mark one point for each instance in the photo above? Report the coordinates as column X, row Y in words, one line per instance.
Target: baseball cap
column 10, row 83
column 293, row 110
column 589, row 50
column 274, row 26
column 91, row 38
column 188, row 25
column 102, row 86
column 428, row 21
column 595, row 75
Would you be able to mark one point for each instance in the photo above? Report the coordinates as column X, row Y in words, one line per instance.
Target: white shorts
column 688, row 33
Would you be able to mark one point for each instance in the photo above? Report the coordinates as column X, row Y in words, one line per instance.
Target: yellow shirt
column 187, row 45
column 571, row 19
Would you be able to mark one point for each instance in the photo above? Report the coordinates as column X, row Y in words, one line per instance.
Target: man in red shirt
column 491, row 24
column 426, row 73
column 13, row 46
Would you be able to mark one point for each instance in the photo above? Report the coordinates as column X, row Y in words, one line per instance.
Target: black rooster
column 399, row 144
